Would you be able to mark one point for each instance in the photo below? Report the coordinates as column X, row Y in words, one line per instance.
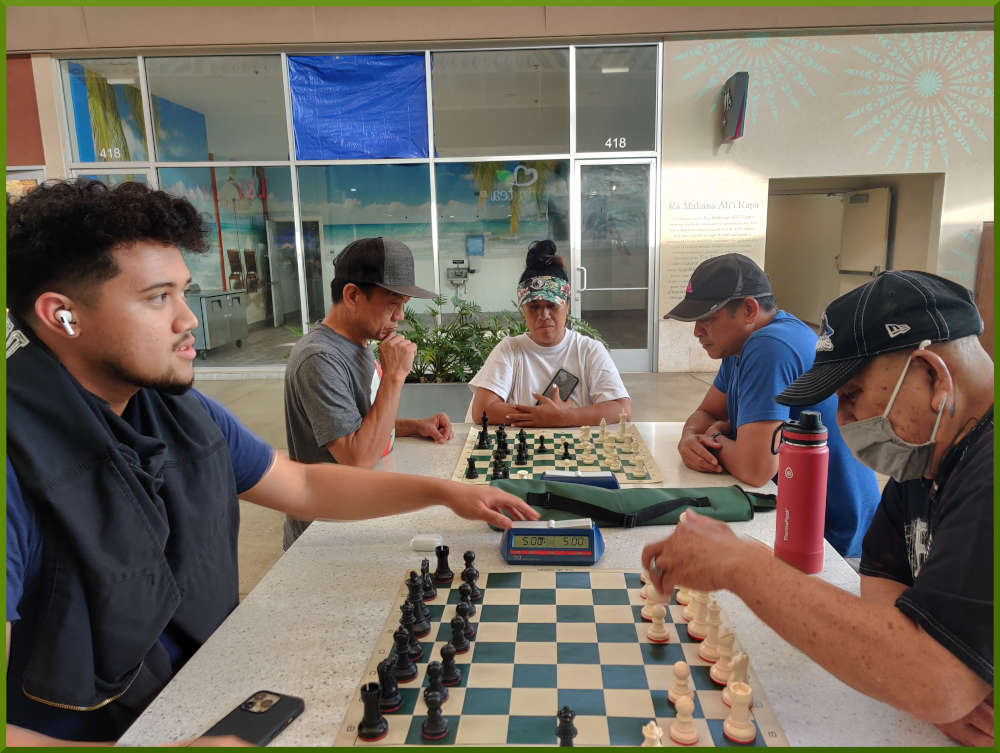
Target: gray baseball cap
column 379, row 261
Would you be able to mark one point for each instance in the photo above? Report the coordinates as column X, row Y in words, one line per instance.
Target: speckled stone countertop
column 308, row 628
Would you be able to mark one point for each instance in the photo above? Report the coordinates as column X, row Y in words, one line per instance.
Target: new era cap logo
column 895, row 330
column 824, row 342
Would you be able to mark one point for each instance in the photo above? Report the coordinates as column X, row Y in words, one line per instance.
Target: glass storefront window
column 104, row 110
column 115, row 179
column 489, row 102
column 242, row 207
column 222, row 108
column 341, row 203
column 488, row 214
column 615, row 99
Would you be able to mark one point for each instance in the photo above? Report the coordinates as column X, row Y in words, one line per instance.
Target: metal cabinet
column 222, row 318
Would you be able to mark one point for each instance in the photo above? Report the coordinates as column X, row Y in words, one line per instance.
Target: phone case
column 259, row 728
column 560, row 380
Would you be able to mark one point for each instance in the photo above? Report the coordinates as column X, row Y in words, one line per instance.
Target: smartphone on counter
column 565, row 381
column 260, row 718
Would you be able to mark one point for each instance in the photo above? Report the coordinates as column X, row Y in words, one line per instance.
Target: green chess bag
column 627, row 508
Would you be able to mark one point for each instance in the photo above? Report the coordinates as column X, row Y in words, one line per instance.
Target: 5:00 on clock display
column 564, row 542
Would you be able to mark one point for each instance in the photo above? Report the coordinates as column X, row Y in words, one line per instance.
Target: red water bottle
column 803, row 462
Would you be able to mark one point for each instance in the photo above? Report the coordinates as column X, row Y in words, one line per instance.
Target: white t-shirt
column 518, row 367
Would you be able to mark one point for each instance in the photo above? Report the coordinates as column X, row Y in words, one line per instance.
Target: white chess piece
column 524, row 473
column 652, row 735
column 738, row 726
column 658, row 632
column 614, row 463
column 622, row 428
column 691, row 607
column 698, row 627
column 653, row 597
column 682, row 729
column 682, row 685
column 683, row 596
column 604, row 430
column 723, row 667
column 709, row 648
column 584, row 433
column 738, row 674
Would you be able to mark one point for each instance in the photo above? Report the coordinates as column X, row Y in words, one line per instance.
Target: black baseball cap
column 380, row 261
column 717, row 281
column 895, row 311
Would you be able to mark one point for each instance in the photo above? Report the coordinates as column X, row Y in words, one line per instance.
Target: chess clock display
column 552, row 542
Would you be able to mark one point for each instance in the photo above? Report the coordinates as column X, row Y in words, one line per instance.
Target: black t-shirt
column 937, row 539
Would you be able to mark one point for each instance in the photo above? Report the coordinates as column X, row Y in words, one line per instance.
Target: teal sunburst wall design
column 957, row 259
column 924, row 93
column 779, row 68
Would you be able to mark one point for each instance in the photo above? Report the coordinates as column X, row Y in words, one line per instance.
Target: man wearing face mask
column 915, row 392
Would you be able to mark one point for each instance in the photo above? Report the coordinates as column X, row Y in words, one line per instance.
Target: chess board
column 545, row 639
column 539, row 463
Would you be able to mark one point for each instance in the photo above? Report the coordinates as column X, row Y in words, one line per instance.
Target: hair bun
column 542, row 256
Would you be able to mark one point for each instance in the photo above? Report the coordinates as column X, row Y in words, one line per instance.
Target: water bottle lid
column 808, row 429
column 810, row 421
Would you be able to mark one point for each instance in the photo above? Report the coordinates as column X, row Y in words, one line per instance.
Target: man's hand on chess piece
column 436, row 427
column 549, row 412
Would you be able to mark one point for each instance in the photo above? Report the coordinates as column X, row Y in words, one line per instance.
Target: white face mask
column 875, row 444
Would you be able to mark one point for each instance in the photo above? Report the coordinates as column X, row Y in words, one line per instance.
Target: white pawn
column 723, row 667
column 709, row 648
column 683, row 596
column 738, row 726
column 653, row 598
column 682, row 685
column 658, row 632
column 738, row 674
column 652, row 735
column 614, row 463
column 682, row 729
column 698, row 627
column 692, row 606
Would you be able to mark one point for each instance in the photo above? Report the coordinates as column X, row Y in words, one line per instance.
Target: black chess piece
column 414, row 649
column 435, row 726
column 484, row 421
column 542, row 449
column 430, row 592
column 521, row 458
column 470, row 471
column 502, row 450
column 565, row 729
column 522, row 437
column 449, row 670
column 505, row 471
column 434, row 682
column 443, row 575
column 470, row 575
column 465, row 594
column 421, row 625
column 483, row 441
column 458, row 639
column 405, row 669
column 373, row 725
column 390, row 698
column 566, row 455
column 462, row 610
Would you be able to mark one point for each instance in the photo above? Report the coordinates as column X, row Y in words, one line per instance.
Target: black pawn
column 449, row 670
column 389, row 699
column 470, row 471
column 521, row 458
column 565, row 729
column 421, row 612
column 443, row 575
column 565, row 455
column 541, row 444
column 434, row 681
column 470, row 575
column 413, row 647
column 458, row 639
column 430, row 592
column 435, row 726
column 373, row 725
column 465, row 594
column 405, row 669
column 462, row 610
column 505, row 471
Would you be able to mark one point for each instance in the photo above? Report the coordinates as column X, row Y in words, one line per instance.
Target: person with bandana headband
column 915, row 390
column 508, row 387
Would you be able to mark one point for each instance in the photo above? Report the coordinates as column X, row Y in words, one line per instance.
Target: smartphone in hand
column 565, row 381
column 260, row 718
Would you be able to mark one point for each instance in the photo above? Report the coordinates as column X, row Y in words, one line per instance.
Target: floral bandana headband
column 543, row 288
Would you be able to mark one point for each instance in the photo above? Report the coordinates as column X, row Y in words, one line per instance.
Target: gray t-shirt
column 328, row 392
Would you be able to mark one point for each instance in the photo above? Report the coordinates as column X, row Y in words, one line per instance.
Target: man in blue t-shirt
column 763, row 350
column 122, row 482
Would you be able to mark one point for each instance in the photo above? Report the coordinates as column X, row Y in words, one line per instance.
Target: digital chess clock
column 552, row 542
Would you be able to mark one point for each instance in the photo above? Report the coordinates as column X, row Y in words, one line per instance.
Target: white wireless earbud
column 67, row 321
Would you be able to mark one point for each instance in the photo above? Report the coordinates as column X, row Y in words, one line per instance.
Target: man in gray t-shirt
column 340, row 404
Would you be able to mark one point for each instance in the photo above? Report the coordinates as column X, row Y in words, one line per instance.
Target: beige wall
column 830, row 105
column 120, row 27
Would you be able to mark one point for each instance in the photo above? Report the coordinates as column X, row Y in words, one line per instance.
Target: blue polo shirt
column 251, row 457
column 772, row 358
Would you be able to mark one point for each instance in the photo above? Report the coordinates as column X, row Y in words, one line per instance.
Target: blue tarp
column 358, row 106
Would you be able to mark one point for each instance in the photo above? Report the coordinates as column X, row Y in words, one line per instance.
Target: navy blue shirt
column 251, row 457
column 772, row 358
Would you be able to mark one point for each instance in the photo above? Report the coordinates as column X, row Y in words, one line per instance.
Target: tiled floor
column 259, row 403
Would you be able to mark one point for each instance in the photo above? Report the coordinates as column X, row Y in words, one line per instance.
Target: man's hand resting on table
column 475, row 502
column 975, row 728
column 698, row 452
column 549, row 412
column 436, row 427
